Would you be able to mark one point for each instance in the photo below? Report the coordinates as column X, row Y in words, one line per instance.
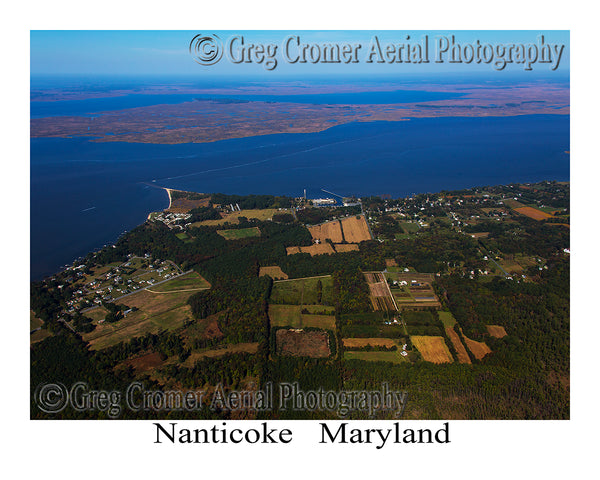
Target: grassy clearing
column 393, row 357
column 285, row 315
column 217, row 352
column 233, row 218
column 34, row 322
column 510, row 203
column 156, row 312
column 402, row 236
column 274, row 272
column 239, row 233
column 496, row 331
column 409, row 227
column 302, row 291
column 189, row 281
column 97, row 314
column 447, row 319
column 39, row 336
column 374, row 342
column 326, row 322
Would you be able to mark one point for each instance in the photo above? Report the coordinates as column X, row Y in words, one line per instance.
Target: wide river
column 85, row 194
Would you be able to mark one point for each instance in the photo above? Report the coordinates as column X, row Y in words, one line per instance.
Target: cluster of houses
column 173, row 220
column 116, row 283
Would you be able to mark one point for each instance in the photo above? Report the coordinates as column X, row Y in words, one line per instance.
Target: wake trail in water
column 264, row 160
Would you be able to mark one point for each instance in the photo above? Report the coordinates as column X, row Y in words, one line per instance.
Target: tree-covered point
column 176, row 194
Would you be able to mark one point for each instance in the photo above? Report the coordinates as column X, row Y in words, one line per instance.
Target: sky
column 100, row 52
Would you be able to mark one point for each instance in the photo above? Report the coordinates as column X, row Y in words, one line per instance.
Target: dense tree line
column 351, row 291
column 315, row 215
column 200, row 214
column 242, row 304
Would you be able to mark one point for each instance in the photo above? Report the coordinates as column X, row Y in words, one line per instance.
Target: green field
column 39, row 335
column 239, row 233
column 292, row 316
column 402, row 236
column 184, row 237
column 319, row 309
column 544, row 209
column 373, row 331
column 302, row 291
column 447, row 319
column 156, row 312
column 185, row 282
column 393, row 357
column 96, row 314
column 34, row 322
column 233, row 217
column 409, row 227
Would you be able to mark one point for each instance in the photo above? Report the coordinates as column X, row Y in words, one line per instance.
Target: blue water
column 84, row 194
column 91, row 106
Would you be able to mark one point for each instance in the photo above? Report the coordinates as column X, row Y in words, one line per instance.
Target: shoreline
column 170, row 199
column 168, row 193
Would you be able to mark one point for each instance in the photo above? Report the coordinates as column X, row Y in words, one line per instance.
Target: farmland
column 345, row 247
column 292, row 316
column 374, row 342
column 478, row 349
column 412, row 290
column 393, row 357
column 533, row 213
column 380, row 294
column 461, row 352
column 328, row 230
column 156, row 311
column 39, row 335
column 303, row 291
column 188, row 282
column 233, row 217
column 299, row 343
column 433, row 349
column 447, row 319
column 355, row 229
column 248, row 311
column 274, row 272
column 318, row 249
